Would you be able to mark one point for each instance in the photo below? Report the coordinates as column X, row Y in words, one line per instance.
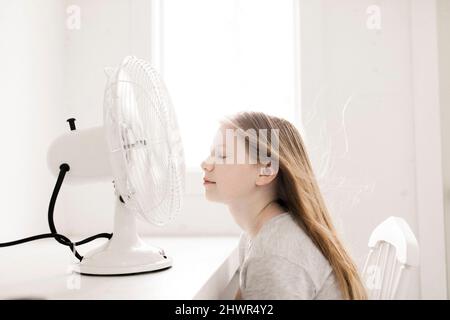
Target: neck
column 251, row 215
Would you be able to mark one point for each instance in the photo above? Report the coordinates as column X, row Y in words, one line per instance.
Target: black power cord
column 58, row 237
column 63, row 169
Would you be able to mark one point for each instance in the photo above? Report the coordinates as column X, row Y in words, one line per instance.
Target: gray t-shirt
column 282, row 262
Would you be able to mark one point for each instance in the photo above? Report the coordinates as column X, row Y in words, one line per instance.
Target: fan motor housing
column 85, row 151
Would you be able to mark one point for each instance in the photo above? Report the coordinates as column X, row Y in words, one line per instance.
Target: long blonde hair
column 299, row 193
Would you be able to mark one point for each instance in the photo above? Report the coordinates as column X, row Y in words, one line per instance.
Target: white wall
column 31, row 53
column 443, row 13
column 363, row 94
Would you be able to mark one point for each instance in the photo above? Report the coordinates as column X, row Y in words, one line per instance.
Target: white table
column 203, row 268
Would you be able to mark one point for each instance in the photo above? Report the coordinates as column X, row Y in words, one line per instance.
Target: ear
column 266, row 175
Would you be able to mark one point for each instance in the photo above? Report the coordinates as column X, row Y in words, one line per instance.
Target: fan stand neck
column 125, row 227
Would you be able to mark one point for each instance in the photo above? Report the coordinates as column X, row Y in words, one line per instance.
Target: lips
column 207, row 181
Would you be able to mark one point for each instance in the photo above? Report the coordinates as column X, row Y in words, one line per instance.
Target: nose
column 207, row 164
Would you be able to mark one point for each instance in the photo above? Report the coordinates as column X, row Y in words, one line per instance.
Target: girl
column 289, row 248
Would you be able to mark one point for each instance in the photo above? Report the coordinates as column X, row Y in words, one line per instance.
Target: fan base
column 108, row 261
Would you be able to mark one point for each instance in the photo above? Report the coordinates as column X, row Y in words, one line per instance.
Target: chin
column 211, row 197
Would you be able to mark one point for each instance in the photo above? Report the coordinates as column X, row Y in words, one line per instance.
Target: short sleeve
column 274, row 277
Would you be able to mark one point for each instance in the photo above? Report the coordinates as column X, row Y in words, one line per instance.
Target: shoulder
column 273, row 277
column 285, row 238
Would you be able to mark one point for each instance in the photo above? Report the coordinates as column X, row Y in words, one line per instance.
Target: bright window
column 218, row 57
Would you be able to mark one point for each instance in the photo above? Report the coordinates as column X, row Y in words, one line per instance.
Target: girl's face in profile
column 231, row 177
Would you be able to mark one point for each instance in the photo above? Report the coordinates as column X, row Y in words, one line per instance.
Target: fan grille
column 147, row 155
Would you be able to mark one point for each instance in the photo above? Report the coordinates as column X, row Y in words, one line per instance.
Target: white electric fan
column 139, row 147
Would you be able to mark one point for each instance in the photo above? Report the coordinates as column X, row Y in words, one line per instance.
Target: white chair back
column 394, row 252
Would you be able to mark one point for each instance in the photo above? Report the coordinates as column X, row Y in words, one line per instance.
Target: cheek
column 234, row 180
